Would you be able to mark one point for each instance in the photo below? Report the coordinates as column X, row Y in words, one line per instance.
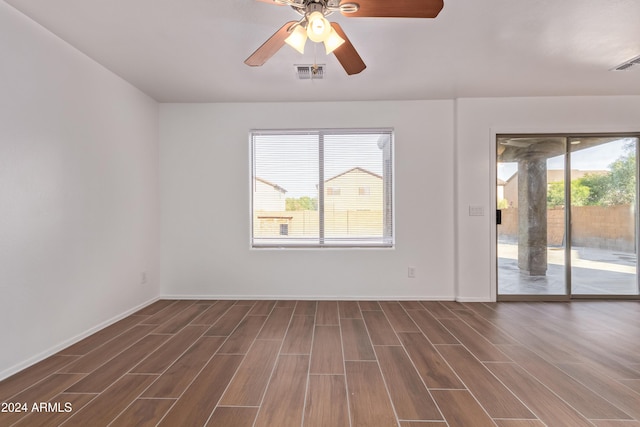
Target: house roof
column 353, row 170
column 275, row 186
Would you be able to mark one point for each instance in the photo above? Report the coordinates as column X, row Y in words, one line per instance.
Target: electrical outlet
column 411, row 272
column 143, row 277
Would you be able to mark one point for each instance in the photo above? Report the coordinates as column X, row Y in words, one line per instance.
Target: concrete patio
column 594, row 272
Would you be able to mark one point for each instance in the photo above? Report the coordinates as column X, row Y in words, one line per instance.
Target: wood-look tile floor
column 347, row 363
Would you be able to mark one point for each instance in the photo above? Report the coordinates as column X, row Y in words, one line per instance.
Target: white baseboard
column 53, row 350
column 474, row 299
column 311, row 297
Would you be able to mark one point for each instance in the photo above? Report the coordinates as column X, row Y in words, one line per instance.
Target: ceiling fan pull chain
column 315, row 51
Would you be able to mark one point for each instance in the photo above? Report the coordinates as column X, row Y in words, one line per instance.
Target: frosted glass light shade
column 333, row 41
column 297, row 39
column 318, row 28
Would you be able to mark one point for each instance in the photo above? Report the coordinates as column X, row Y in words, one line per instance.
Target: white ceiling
column 193, row 50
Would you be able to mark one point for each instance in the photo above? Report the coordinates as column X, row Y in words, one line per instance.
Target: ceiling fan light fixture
column 333, row 41
column 297, row 39
column 318, row 27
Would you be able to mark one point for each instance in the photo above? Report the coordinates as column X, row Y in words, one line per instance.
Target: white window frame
column 387, row 241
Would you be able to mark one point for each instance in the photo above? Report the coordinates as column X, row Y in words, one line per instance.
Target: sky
column 595, row 158
column 291, row 161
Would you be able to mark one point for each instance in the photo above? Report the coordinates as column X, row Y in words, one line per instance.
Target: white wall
column 79, row 207
column 478, row 120
column 204, row 174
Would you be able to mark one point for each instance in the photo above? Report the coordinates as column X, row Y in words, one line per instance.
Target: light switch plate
column 476, row 211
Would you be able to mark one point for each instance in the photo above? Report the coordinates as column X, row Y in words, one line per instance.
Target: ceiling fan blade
column 270, row 47
column 396, row 8
column 272, row 2
column 347, row 54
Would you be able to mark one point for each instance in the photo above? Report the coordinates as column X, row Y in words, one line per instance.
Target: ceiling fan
column 316, row 27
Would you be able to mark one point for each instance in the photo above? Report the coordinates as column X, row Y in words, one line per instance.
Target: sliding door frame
column 569, row 296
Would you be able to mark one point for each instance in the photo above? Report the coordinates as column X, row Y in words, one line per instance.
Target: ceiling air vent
column 634, row 62
column 310, row 72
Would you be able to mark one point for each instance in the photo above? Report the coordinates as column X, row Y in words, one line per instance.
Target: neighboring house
column 510, row 191
column 353, row 206
column 268, row 196
column 269, row 205
column 354, row 190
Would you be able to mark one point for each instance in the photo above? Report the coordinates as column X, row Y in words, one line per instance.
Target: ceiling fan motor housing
column 315, row 7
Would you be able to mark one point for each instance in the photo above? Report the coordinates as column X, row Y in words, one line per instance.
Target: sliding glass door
column 531, row 235
column 603, row 216
column 567, row 218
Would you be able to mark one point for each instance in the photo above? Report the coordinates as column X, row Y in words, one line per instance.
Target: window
column 317, row 180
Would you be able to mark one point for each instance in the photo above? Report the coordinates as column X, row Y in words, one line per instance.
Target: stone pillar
column 532, row 216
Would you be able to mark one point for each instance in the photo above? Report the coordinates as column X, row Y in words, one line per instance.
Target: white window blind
column 322, row 188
